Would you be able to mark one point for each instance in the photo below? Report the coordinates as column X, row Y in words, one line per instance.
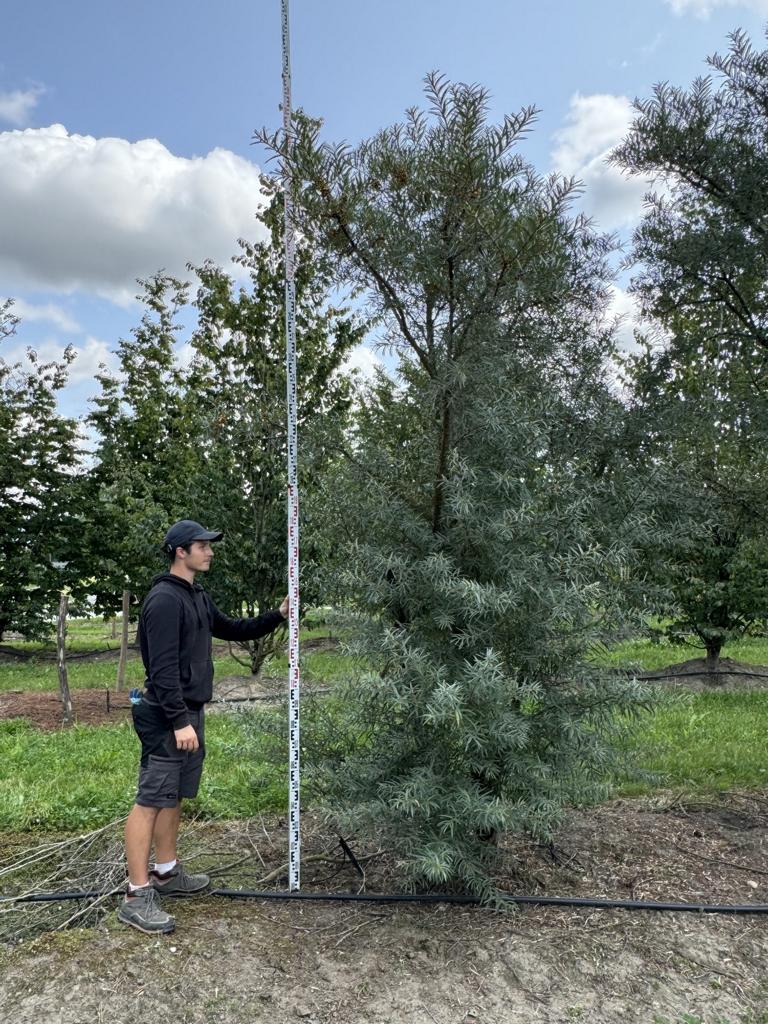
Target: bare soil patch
column 335, row 963
column 43, row 707
column 693, row 675
column 95, row 706
column 104, row 705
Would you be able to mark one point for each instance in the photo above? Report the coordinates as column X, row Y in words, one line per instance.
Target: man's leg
column 176, row 881
column 138, row 841
column 140, row 907
column 166, row 833
column 158, row 792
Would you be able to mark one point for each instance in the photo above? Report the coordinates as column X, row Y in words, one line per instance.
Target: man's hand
column 186, row 739
column 284, row 608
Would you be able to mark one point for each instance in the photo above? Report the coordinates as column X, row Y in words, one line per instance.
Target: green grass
column 82, row 674
column 42, row 674
column 82, row 635
column 324, row 666
column 85, row 674
column 84, row 777
column 648, row 656
column 704, row 743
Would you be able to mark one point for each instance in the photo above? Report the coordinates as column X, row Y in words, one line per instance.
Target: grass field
column 84, row 777
column 39, row 672
column 647, row 656
column 708, row 742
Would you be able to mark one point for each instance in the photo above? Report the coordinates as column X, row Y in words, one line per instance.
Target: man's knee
column 143, row 811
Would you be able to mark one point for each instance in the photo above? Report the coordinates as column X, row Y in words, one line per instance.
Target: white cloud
column 363, row 360
column 184, row 355
column 16, row 106
column 95, row 214
column 89, row 356
column 703, row 8
column 88, row 441
column 49, row 313
column 623, row 306
column 594, row 126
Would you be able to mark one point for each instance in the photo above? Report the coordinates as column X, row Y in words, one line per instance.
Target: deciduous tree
column 39, row 455
column 702, row 267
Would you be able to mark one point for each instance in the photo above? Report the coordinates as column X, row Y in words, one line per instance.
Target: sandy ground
column 247, row 962
column 237, row 962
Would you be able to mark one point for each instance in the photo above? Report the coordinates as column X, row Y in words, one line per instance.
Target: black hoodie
column 177, row 622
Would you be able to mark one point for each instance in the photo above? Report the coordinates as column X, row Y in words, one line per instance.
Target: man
column 177, row 622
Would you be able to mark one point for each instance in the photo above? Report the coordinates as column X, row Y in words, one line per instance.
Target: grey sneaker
column 178, row 882
column 143, row 911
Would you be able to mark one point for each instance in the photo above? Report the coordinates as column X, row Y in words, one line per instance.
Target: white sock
column 164, row 868
column 133, row 888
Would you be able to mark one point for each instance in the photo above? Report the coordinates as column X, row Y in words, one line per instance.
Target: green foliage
column 208, row 442
column 239, row 382
column 490, row 535
column 147, row 437
column 702, row 242
column 702, row 391
column 39, row 455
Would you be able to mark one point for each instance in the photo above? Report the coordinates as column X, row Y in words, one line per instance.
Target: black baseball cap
column 185, row 531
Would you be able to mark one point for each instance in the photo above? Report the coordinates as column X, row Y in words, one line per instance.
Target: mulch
column 693, row 675
column 43, row 708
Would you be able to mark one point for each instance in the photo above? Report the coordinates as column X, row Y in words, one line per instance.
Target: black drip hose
column 351, row 897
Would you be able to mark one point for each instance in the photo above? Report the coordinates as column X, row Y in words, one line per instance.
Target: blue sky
column 125, row 129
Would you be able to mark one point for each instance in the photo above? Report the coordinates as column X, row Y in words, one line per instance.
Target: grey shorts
column 167, row 774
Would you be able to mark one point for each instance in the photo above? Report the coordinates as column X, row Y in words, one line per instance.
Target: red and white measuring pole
column 294, row 805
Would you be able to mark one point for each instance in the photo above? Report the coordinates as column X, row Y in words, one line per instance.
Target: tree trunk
column 260, row 650
column 713, row 656
column 442, row 462
column 61, row 637
column 258, row 655
column 124, row 640
column 114, row 627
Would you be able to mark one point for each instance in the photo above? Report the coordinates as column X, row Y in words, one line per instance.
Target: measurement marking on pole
column 294, row 771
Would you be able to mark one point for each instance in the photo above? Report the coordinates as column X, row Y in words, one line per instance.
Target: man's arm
column 161, row 624
column 224, row 628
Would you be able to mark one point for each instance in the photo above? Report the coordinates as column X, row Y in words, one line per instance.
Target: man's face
column 200, row 556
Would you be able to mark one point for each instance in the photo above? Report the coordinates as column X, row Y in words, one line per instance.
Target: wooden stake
column 124, row 640
column 61, row 638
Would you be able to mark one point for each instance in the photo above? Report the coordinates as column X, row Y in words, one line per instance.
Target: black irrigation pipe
column 349, row 897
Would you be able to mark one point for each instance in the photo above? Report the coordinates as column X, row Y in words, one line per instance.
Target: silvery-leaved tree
column 491, row 529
